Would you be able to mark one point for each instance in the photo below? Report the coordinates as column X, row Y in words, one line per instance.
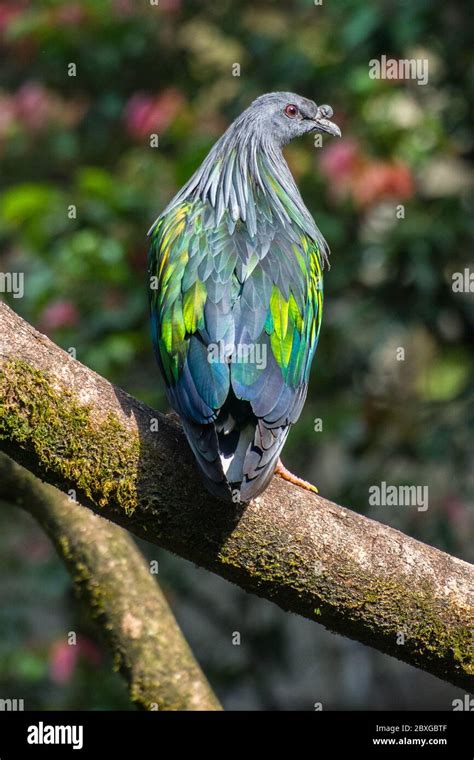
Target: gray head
column 282, row 116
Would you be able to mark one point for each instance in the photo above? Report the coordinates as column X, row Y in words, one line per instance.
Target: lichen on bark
column 97, row 455
column 354, row 575
column 110, row 576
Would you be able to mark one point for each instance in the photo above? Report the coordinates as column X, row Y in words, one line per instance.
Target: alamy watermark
column 242, row 353
column 463, row 282
column 12, row 705
column 394, row 68
column 467, row 703
column 384, row 495
column 12, row 282
column 42, row 733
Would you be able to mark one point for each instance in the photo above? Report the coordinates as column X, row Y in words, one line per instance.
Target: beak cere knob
column 323, row 123
column 326, row 112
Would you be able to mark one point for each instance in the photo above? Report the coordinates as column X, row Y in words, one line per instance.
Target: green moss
column 370, row 598
column 98, row 457
column 365, row 601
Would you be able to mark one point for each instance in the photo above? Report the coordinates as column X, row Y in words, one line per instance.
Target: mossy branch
column 111, row 576
column 354, row 575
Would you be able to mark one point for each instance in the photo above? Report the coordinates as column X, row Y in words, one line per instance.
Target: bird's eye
column 291, row 110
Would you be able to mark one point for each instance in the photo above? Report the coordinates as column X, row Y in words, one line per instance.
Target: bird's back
column 236, row 302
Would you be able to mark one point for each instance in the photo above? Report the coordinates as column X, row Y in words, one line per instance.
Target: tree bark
column 111, row 577
column 310, row 556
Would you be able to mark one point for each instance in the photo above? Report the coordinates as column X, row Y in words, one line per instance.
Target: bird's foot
column 282, row 472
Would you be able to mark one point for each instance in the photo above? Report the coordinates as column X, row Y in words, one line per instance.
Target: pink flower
column 62, row 662
column 145, row 114
column 33, row 105
column 37, row 107
column 352, row 173
column 171, row 6
column 8, row 11
column 58, row 314
column 379, row 180
column 339, row 158
column 64, row 657
column 70, row 14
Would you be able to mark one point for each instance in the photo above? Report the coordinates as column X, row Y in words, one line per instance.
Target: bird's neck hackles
column 245, row 171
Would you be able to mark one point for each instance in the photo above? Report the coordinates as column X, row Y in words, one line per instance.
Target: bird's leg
column 287, row 475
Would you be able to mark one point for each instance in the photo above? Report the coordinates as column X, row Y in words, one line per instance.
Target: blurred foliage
column 80, row 185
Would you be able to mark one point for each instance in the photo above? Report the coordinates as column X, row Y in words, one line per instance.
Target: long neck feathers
column 246, row 174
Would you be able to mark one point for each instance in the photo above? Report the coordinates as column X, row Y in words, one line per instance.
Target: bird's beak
column 322, row 123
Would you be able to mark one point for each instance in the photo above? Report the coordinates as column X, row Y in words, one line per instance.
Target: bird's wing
column 192, row 288
column 279, row 313
column 214, row 286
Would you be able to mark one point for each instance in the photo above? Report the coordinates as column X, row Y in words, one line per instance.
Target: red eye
column 291, row 110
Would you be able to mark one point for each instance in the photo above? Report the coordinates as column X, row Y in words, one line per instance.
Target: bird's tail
column 204, row 442
column 236, row 462
column 261, row 459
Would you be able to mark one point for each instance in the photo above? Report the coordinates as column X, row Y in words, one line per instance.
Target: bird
column 235, row 273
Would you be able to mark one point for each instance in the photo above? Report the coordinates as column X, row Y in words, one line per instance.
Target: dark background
column 85, row 140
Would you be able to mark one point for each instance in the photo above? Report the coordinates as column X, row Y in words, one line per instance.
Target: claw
column 282, row 472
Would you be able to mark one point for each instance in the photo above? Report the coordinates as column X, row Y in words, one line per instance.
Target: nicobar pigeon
column 236, row 297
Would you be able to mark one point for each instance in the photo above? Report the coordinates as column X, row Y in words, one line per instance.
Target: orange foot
column 287, row 475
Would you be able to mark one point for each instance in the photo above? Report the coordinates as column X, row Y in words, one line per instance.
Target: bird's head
column 284, row 116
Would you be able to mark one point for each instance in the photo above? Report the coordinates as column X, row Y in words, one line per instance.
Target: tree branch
column 111, row 576
column 352, row 574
